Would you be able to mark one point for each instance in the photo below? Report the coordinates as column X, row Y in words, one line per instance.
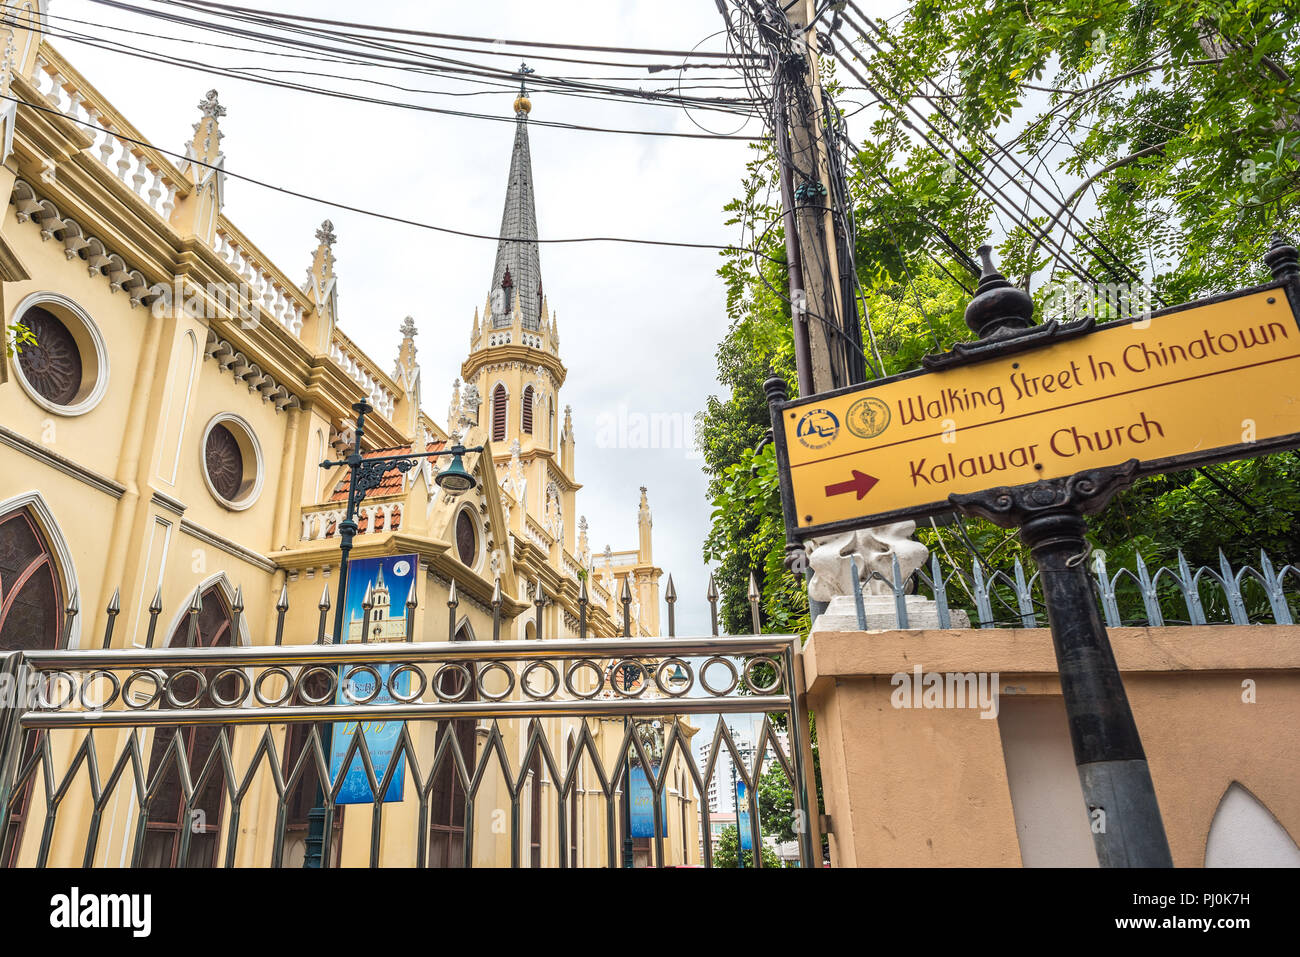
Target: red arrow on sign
column 862, row 483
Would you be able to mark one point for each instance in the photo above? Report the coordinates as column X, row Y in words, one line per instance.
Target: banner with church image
column 389, row 581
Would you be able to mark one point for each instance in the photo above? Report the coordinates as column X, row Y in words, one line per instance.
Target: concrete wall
column 1216, row 706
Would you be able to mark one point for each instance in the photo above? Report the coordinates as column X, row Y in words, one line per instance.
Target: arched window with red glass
column 31, row 616
column 31, row 601
column 168, row 820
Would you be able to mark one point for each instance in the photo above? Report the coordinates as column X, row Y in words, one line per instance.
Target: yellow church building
column 160, row 447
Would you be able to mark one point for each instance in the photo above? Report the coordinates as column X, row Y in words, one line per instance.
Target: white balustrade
column 123, row 160
column 378, row 517
column 141, row 175
column 106, row 147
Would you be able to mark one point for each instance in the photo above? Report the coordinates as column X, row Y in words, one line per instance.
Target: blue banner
column 643, row 809
column 390, row 580
column 742, row 817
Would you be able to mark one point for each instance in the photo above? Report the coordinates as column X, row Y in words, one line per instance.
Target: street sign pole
column 1123, row 813
column 1120, row 798
column 1063, row 408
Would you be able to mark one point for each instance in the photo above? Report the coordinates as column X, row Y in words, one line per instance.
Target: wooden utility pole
column 805, row 192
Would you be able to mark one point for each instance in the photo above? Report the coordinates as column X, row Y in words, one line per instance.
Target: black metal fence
column 508, row 752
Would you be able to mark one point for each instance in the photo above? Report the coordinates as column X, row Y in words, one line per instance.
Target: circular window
column 66, row 370
column 232, row 462
column 466, row 538
column 225, row 462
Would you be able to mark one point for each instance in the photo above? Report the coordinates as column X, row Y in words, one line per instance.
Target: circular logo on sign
column 867, row 417
column 818, row 428
column 401, row 568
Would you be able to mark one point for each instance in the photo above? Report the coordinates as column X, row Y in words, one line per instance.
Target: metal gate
column 97, row 746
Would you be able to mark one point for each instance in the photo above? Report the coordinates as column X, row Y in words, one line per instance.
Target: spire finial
column 523, row 105
column 209, row 106
column 325, row 234
column 408, row 329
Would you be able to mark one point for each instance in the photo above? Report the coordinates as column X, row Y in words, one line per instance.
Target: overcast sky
column 639, row 325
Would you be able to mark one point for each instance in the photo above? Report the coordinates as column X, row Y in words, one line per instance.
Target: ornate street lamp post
column 363, row 475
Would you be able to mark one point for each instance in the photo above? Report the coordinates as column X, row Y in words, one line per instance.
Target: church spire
column 517, row 250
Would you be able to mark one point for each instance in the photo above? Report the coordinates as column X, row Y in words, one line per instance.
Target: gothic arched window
column 551, row 406
column 527, row 417
column 30, row 612
column 447, row 797
column 500, row 407
column 30, row 600
column 298, row 803
column 466, row 538
column 167, row 817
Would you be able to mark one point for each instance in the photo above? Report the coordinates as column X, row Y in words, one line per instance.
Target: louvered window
column 500, row 401
column 528, row 411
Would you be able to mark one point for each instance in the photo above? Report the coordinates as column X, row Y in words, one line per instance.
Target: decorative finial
column 522, row 103
column 408, row 329
column 998, row 306
column 326, row 234
column 1282, row 258
column 209, row 106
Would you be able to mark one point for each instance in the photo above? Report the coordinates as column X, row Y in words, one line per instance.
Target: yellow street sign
column 1197, row 384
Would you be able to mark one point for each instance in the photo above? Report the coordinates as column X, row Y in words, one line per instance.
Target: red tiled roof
column 392, row 481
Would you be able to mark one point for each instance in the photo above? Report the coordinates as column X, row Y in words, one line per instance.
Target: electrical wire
column 183, row 63
column 232, row 9
column 334, row 204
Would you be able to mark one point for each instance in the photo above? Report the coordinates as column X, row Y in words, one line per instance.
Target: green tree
column 729, row 846
column 1177, row 124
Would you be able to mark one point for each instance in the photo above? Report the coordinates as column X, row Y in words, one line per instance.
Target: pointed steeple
column 643, row 521
column 204, row 165
column 320, row 286
column 517, row 255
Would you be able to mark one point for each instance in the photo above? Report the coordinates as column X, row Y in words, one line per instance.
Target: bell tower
column 514, row 359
